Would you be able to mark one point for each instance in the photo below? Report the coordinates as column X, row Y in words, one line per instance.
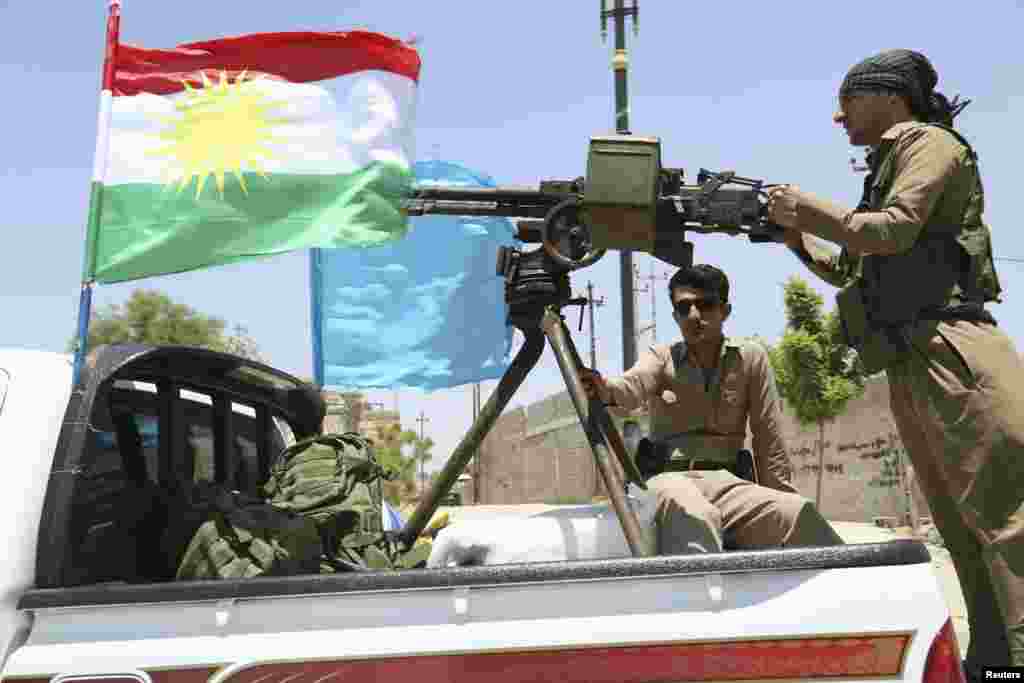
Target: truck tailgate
column 851, row 612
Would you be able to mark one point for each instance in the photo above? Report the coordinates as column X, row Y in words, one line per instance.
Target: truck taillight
column 943, row 663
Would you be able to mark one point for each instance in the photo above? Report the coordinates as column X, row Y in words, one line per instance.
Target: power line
column 1008, row 258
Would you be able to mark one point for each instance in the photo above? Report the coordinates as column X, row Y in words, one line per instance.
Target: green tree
column 816, row 372
column 242, row 344
column 151, row 317
column 391, row 453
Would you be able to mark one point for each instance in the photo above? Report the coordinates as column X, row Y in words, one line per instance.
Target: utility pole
column 649, row 287
column 422, row 419
column 618, row 16
column 638, row 289
column 591, row 303
column 477, row 476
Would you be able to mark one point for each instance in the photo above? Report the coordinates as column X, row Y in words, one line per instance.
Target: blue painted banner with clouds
column 426, row 311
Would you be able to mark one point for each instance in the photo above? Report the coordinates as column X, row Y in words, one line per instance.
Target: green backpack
column 335, row 480
column 245, row 537
column 321, row 475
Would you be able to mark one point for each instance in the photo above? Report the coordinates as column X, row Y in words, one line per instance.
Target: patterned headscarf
column 907, row 73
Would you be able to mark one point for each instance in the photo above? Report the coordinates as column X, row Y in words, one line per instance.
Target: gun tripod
column 536, row 290
column 602, row 435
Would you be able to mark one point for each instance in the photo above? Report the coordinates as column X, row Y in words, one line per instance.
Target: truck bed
column 83, row 601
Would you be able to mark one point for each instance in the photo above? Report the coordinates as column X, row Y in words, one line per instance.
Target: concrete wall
column 538, row 454
column 500, row 469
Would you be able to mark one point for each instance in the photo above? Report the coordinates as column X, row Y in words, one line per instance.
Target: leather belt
column 705, row 465
column 697, row 465
column 715, row 448
column 654, row 458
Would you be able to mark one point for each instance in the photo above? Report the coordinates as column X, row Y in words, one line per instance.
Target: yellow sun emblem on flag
column 219, row 128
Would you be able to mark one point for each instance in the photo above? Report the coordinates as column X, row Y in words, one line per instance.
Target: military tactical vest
column 245, row 537
column 700, row 443
column 950, row 263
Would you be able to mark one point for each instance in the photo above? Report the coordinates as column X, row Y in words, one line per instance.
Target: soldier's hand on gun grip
column 782, row 206
column 594, row 385
column 794, row 239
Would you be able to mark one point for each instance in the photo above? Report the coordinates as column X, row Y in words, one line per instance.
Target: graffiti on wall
column 891, row 461
column 876, row 443
column 807, row 451
column 883, row 449
column 830, row 467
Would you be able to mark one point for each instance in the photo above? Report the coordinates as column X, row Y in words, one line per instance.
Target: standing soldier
column 915, row 273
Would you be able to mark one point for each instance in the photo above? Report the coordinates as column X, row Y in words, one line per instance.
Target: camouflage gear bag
column 335, row 480
column 244, row 538
column 321, row 475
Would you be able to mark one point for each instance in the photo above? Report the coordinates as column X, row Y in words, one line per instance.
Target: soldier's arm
column 821, row 261
column 925, row 161
column 773, row 465
column 632, row 389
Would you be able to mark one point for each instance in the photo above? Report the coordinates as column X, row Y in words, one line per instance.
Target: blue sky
column 513, row 89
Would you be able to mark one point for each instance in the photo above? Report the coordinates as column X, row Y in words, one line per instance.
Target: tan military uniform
column 955, row 384
column 704, row 415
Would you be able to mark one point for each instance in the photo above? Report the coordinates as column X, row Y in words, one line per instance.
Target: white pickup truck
column 88, row 589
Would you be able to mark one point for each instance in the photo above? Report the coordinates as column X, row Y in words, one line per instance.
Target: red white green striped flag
column 236, row 148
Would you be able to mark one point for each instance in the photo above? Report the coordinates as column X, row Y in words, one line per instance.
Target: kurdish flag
column 236, row 148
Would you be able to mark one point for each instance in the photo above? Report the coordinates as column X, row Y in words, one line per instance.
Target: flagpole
column 316, row 314
column 96, row 193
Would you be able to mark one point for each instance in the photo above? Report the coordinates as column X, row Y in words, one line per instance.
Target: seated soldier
column 700, row 393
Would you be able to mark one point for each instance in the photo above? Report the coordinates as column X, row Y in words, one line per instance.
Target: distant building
column 340, row 413
column 375, row 423
column 347, row 412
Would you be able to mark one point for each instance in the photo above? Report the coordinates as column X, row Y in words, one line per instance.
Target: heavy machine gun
column 626, row 201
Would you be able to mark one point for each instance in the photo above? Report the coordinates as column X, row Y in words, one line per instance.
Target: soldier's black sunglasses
column 704, row 305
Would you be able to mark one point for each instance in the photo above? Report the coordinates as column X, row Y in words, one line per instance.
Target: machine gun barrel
column 665, row 210
column 485, row 194
column 486, row 201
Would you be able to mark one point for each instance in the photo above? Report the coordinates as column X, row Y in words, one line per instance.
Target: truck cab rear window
column 150, row 462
